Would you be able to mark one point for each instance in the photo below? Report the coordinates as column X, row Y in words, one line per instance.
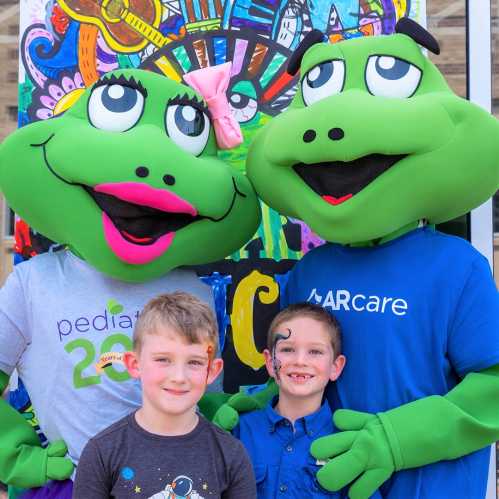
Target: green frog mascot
column 129, row 180
column 375, row 150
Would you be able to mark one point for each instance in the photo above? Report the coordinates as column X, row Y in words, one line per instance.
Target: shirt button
column 283, row 488
column 289, row 448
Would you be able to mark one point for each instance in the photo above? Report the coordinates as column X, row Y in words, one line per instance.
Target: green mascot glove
column 211, row 402
column 371, row 447
column 227, row 416
column 362, row 448
column 23, row 462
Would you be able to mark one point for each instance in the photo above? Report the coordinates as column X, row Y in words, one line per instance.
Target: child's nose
column 301, row 357
column 177, row 373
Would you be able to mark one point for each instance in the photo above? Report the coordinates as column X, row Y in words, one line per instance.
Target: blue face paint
column 276, row 364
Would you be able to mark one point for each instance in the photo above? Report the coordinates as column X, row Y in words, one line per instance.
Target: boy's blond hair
column 312, row 311
column 189, row 317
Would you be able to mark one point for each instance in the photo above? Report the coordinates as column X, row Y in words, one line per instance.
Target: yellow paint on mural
column 68, row 100
column 400, row 8
column 166, row 67
column 242, row 315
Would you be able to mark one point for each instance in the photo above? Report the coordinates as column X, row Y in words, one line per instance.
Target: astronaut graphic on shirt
column 180, row 488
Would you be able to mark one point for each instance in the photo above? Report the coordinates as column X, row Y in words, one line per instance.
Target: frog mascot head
column 129, row 176
column 374, row 140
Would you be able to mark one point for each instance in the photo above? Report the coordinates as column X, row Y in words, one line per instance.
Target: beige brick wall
column 9, row 35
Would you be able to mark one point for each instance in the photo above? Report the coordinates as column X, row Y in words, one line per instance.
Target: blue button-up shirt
column 284, row 467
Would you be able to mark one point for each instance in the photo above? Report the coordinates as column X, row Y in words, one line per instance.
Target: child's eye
column 197, row 363
column 163, row 360
column 316, row 352
column 286, row 349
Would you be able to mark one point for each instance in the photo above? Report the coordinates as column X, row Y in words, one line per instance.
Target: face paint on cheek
column 209, row 351
column 276, row 363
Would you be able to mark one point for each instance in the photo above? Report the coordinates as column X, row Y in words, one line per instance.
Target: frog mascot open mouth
column 129, row 180
column 373, row 151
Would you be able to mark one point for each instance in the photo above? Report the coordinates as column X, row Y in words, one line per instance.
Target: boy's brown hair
column 312, row 311
column 190, row 317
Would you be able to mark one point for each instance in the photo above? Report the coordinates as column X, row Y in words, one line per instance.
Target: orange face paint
column 209, row 351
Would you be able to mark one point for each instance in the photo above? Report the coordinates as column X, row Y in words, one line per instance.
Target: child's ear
column 131, row 361
column 337, row 367
column 216, row 367
column 268, row 362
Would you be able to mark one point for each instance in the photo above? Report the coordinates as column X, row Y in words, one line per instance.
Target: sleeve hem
column 392, row 441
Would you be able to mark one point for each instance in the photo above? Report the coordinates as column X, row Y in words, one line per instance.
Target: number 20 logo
column 81, row 381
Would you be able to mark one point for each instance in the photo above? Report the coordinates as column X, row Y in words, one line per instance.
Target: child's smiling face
column 303, row 363
column 173, row 373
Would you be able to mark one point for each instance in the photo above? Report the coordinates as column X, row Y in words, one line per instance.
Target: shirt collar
column 311, row 424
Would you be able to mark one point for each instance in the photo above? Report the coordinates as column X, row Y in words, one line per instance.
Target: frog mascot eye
column 115, row 108
column 323, row 80
column 188, row 127
column 388, row 76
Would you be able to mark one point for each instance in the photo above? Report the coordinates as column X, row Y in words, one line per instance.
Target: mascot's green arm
column 226, row 415
column 23, row 462
column 211, row 402
column 371, row 447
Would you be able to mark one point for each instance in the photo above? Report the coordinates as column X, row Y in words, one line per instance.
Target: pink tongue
column 134, row 253
column 334, row 201
column 137, row 239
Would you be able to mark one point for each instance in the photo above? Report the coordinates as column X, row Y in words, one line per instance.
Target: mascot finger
column 226, row 418
column 59, row 468
column 366, row 485
column 345, row 419
column 333, row 445
column 340, row 471
column 57, row 449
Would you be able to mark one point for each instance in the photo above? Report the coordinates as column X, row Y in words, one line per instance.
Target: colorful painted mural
column 67, row 44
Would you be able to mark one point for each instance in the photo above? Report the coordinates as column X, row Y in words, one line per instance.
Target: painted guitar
column 127, row 25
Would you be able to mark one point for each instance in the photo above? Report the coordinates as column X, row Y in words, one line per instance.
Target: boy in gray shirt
column 165, row 449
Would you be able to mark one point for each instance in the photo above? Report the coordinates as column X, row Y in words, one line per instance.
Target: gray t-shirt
column 64, row 327
column 126, row 461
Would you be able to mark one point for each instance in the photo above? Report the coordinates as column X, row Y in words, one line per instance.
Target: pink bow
column 212, row 83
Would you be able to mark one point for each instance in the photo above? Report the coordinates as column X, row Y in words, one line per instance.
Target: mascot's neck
column 393, row 235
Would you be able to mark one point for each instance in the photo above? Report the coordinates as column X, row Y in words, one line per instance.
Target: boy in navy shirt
column 303, row 354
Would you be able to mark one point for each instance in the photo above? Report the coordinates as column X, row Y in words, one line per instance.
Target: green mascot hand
column 371, row 447
column 211, row 402
column 227, row 416
column 34, row 466
column 23, row 463
column 362, row 448
column 59, row 467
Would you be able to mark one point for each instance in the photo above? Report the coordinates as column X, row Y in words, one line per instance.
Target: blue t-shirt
column 417, row 314
column 281, row 459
